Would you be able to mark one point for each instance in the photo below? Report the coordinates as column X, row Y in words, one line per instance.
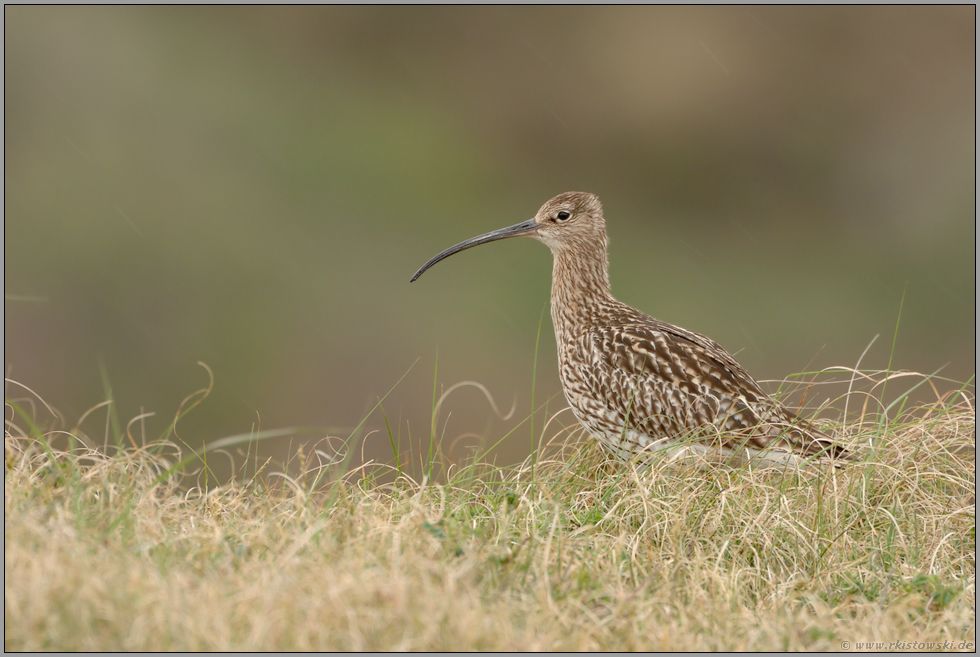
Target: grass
column 113, row 548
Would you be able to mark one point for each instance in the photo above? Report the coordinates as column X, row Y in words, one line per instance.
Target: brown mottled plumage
column 636, row 383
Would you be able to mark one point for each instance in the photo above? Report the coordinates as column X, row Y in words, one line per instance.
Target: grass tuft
column 107, row 548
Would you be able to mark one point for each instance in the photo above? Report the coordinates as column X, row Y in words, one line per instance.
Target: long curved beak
column 529, row 227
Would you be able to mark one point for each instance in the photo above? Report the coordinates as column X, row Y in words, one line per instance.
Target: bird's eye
column 562, row 216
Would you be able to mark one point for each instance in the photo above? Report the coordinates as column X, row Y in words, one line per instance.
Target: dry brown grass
column 574, row 553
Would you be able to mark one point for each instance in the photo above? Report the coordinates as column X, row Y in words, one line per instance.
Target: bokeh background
column 253, row 187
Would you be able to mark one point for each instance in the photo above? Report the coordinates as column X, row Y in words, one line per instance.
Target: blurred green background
column 253, row 188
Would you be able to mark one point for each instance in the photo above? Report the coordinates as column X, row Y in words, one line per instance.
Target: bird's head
column 570, row 219
column 568, row 222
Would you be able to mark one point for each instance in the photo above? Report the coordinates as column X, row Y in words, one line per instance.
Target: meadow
column 116, row 541
column 252, row 187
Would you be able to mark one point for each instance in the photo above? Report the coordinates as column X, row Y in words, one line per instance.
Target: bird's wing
column 673, row 381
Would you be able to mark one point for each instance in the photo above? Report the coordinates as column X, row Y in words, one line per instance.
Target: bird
column 640, row 385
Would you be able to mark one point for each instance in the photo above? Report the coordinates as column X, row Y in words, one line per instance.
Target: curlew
column 638, row 384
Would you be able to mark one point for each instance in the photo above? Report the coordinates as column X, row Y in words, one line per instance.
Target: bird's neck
column 579, row 290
